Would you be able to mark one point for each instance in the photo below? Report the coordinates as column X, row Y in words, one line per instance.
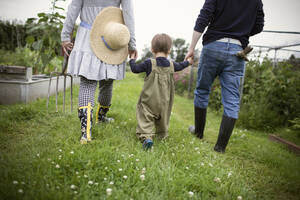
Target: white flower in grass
column 105, row 179
column 143, row 170
column 15, row 182
column 111, row 183
column 96, row 183
column 78, row 176
column 108, row 191
column 217, row 180
column 23, row 183
column 76, row 172
column 120, row 169
column 75, row 192
column 118, row 161
column 20, row 190
column 85, row 176
column 131, row 155
column 57, row 166
column 211, row 165
column 57, row 187
column 142, row 177
column 229, row 174
column 196, row 148
column 47, row 185
column 182, row 145
column 72, row 152
column 60, row 150
column 123, row 155
column 105, row 168
column 73, row 187
column 38, row 155
column 187, row 168
column 173, row 154
column 191, row 194
column 137, row 160
column 125, row 177
column 90, row 182
column 53, row 162
column 198, row 152
column 239, row 198
column 202, row 164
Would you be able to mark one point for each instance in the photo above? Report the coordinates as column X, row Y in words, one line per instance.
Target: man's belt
column 230, row 40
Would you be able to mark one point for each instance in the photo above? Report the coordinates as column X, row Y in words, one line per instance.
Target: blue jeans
column 218, row 59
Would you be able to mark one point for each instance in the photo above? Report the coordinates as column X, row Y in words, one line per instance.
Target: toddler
column 156, row 99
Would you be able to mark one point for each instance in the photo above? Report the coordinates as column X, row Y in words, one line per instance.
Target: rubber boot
column 200, row 118
column 85, row 115
column 101, row 114
column 226, row 129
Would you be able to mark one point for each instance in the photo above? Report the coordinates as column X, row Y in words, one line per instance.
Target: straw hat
column 109, row 36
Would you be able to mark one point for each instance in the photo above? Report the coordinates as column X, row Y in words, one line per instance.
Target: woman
column 84, row 63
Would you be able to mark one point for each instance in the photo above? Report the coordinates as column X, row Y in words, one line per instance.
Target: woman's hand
column 133, row 54
column 67, row 47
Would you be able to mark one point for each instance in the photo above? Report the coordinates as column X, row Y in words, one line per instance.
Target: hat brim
column 107, row 15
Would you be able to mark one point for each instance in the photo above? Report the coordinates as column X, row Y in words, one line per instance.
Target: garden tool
column 243, row 54
column 65, row 75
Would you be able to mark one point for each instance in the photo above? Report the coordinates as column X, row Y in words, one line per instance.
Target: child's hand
column 190, row 60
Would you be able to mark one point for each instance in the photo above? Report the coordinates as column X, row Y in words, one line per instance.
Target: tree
column 179, row 50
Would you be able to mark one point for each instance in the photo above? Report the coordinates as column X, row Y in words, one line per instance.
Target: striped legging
column 87, row 92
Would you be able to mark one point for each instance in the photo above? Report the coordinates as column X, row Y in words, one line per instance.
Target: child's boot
column 85, row 115
column 101, row 114
column 147, row 144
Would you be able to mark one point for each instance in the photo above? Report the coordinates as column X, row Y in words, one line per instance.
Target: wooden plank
column 12, row 69
column 293, row 147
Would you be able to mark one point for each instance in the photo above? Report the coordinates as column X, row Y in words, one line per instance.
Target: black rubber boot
column 200, row 118
column 101, row 114
column 85, row 115
column 226, row 129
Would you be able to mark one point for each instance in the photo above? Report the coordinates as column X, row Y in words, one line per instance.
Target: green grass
column 41, row 151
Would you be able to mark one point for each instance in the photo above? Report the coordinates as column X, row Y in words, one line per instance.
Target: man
column 230, row 24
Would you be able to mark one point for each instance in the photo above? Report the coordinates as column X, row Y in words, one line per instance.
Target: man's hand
column 189, row 55
column 133, row 54
column 67, row 47
column 190, row 60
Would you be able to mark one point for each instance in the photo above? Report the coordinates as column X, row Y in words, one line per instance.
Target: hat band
column 107, row 45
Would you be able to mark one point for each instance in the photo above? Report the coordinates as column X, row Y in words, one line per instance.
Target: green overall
column 155, row 103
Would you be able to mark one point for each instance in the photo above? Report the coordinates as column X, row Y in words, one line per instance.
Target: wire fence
column 258, row 50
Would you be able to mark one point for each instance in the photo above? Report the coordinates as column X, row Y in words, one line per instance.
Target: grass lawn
column 41, row 157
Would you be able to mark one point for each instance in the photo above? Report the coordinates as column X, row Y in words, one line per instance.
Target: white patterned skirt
column 83, row 62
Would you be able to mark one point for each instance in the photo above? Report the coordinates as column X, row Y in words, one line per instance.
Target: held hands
column 133, row 54
column 67, row 47
column 190, row 57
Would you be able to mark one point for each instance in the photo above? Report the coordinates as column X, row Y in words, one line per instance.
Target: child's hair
column 161, row 43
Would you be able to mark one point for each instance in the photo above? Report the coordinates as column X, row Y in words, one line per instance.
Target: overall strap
column 153, row 63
